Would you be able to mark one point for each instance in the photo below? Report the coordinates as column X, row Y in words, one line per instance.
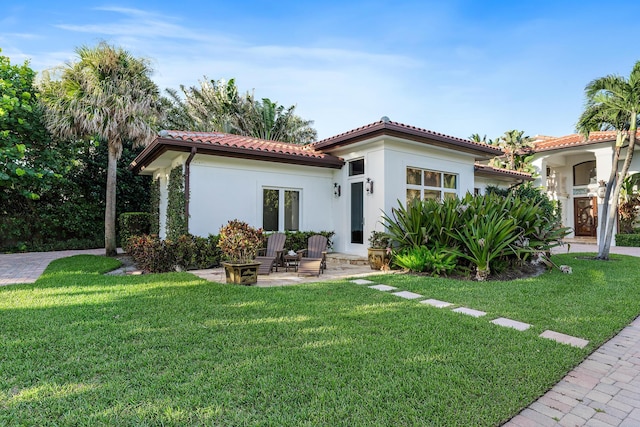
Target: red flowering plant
column 239, row 241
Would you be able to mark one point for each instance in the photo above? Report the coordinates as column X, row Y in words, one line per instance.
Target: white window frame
column 281, row 206
column 422, row 188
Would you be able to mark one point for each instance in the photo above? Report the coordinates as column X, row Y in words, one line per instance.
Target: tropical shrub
column 379, row 240
column 239, row 241
column 407, row 226
column 490, row 232
column 487, row 237
column 153, row 255
column 419, row 259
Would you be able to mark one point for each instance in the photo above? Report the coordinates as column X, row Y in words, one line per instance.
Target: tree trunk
column 607, row 196
column 603, row 252
column 110, row 205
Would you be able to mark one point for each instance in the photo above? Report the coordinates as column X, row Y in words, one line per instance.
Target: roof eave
column 418, row 135
column 161, row 145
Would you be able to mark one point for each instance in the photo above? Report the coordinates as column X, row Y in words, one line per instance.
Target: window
column 427, row 184
column 280, row 209
column 584, row 173
column 356, row 167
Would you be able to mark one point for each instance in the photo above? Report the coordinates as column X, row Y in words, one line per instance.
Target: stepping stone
column 436, row 303
column 362, row 282
column 508, row 323
column 383, row 287
column 470, row 312
column 564, row 339
column 407, row 295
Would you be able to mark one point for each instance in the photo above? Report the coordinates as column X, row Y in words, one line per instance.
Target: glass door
column 357, row 212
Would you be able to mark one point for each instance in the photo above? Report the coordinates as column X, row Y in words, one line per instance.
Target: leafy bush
column 551, row 209
column 153, row 255
column 628, row 240
column 488, row 234
column 422, row 259
column 239, row 241
column 379, row 240
column 482, row 230
column 134, row 224
column 297, row 240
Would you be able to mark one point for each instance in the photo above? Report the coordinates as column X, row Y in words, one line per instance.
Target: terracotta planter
column 241, row 273
column 378, row 258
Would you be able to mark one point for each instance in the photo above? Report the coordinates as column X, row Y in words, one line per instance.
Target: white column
column 540, row 165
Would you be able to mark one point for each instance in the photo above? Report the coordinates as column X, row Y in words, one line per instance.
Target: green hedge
column 297, row 240
column 187, row 252
column 134, row 224
column 628, row 240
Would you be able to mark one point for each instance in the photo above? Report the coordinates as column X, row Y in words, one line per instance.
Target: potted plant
column 239, row 242
column 379, row 250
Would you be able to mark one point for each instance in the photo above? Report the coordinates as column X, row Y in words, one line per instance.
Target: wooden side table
column 291, row 261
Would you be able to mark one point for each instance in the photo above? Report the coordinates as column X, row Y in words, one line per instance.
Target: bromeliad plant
column 436, row 261
column 239, row 241
column 485, row 231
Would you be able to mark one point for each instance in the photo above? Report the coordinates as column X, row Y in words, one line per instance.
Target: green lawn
column 80, row 348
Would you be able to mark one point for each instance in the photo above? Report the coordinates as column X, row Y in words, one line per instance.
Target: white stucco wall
column 225, row 188
column 386, row 161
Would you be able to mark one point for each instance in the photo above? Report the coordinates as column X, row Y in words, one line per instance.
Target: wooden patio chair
column 270, row 256
column 314, row 258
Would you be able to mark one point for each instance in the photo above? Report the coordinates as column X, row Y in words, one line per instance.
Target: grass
column 81, row 348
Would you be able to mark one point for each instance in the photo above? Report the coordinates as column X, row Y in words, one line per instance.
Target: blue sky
column 456, row 67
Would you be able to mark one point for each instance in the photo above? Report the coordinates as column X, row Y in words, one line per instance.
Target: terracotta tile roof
column 481, row 169
column 234, row 146
column 387, row 127
column 576, row 140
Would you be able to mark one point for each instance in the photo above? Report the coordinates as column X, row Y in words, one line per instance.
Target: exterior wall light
column 369, row 186
column 602, row 189
column 336, row 189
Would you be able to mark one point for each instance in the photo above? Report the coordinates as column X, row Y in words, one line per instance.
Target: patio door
column 357, row 212
column 585, row 211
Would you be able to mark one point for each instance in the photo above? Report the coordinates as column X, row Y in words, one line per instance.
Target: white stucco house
column 340, row 184
column 571, row 168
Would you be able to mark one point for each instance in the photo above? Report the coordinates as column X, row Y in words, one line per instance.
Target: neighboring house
column 340, row 184
column 571, row 169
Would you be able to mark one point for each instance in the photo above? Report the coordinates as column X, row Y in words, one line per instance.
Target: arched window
column 584, row 173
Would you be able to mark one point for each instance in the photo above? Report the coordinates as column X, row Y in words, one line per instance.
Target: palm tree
column 513, row 143
column 475, row 137
column 613, row 102
column 213, row 107
column 107, row 95
column 268, row 120
column 217, row 106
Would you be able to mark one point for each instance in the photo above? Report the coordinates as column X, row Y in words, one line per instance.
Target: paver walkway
column 604, row 390
column 27, row 267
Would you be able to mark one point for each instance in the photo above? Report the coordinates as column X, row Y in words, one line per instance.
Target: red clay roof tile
column 403, row 130
column 576, row 140
column 490, row 170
